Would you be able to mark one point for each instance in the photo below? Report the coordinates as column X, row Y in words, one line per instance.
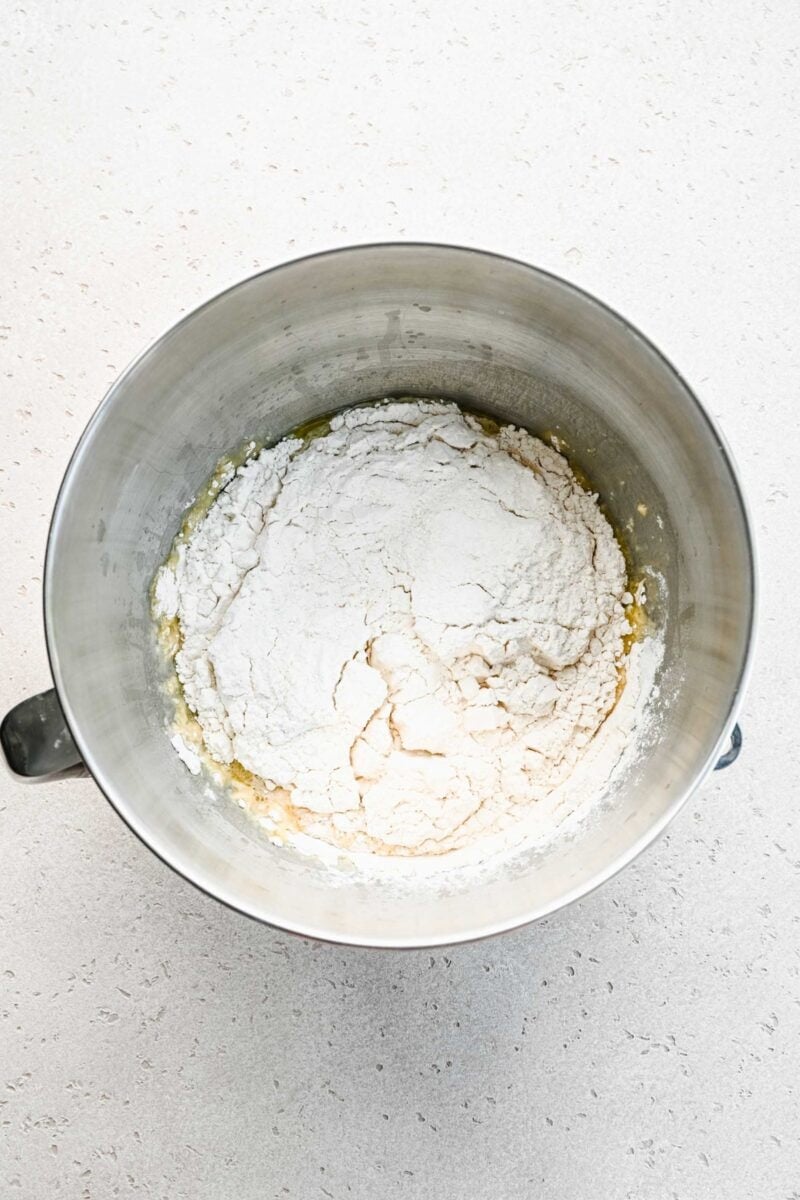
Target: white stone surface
column 643, row 1044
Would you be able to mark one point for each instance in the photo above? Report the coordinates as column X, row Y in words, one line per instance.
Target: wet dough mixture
column 410, row 629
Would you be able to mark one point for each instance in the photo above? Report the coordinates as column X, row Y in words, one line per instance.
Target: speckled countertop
column 643, row 1044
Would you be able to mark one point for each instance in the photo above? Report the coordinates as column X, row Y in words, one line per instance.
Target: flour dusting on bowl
column 404, row 636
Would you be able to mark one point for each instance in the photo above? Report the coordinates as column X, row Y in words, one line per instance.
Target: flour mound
column 410, row 629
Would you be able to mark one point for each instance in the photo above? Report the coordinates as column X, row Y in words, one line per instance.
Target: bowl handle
column 732, row 753
column 36, row 740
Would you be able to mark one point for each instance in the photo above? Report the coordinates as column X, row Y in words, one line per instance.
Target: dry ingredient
column 410, row 629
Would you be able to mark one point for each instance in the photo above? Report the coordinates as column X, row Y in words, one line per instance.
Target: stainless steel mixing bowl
column 296, row 342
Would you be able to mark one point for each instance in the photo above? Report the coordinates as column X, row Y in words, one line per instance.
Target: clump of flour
column 410, row 629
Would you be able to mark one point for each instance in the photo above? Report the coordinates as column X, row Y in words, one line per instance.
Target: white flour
column 410, row 629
